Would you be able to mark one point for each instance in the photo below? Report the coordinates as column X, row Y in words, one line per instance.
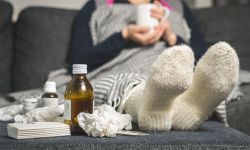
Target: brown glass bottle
column 79, row 97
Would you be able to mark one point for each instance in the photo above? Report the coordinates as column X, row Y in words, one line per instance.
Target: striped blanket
column 112, row 89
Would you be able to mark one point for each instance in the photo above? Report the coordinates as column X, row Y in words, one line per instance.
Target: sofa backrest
column 42, row 37
column 6, row 46
column 231, row 24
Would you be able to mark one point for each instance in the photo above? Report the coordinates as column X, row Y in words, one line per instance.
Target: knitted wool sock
column 134, row 102
column 214, row 78
column 170, row 75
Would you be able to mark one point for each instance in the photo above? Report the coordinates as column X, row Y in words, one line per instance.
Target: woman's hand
column 169, row 36
column 142, row 35
column 158, row 12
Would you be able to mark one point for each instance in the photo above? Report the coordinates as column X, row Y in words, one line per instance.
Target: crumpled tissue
column 105, row 121
column 7, row 113
column 44, row 114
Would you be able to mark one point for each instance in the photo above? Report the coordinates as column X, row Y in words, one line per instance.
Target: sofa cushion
column 238, row 111
column 41, row 44
column 6, row 43
column 231, row 24
column 212, row 135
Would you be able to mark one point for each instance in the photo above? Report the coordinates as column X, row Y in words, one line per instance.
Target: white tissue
column 45, row 114
column 105, row 121
column 7, row 113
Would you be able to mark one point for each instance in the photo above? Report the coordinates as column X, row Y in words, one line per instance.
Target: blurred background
column 35, row 41
column 77, row 4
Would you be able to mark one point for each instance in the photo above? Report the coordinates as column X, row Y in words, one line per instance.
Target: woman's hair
column 164, row 3
column 110, row 2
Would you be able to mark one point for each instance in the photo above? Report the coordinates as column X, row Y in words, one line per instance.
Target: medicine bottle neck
column 79, row 76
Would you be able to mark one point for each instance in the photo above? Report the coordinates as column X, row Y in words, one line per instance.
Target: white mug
column 144, row 17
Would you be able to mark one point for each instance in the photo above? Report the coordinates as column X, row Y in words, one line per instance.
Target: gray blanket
column 108, row 20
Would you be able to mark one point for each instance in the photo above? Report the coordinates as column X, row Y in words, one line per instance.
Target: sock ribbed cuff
column 185, row 117
column 155, row 121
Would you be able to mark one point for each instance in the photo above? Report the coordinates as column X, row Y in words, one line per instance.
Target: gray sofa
column 38, row 43
column 212, row 136
column 231, row 24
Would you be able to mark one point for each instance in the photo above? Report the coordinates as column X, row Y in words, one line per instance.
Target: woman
column 171, row 95
column 83, row 50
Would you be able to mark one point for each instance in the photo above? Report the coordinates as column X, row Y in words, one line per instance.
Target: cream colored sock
column 214, row 78
column 134, row 102
column 170, row 75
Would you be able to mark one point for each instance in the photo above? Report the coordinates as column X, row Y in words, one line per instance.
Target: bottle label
column 50, row 102
column 67, row 110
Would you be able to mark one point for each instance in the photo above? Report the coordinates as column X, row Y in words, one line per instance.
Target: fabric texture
column 82, row 50
column 111, row 90
column 229, row 24
column 42, row 39
column 130, row 60
column 214, row 78
column 212, row 135
column 237, row 111
column 170, row 75
column 157, row 109
column 6, row 46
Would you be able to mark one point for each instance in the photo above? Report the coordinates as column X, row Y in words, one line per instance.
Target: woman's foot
column 170, row 75
column 214, row 78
